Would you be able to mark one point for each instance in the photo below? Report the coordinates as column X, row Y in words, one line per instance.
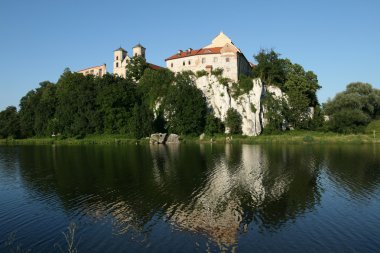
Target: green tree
column 9, row 123
column 154, row 84
column 213, row 125
column 76, row 110
column 233, row 121
column 274, row 108
column 270, row 68
column 115, row 100
column 135, row 68
column 28, row 104
column 185, row 106
column 351, row 110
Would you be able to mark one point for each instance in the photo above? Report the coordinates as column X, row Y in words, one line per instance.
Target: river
column 191, row 198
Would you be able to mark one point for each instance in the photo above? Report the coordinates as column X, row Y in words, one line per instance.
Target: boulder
column 158, row 138
column 172, row 138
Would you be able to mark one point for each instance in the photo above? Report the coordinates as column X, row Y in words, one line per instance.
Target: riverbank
column 294, row 137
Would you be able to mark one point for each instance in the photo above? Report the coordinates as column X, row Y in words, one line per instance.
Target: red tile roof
column 154, row 67
column 202, row 51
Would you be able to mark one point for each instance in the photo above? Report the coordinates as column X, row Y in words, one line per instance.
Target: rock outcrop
column 248, row 105
column 163, row 138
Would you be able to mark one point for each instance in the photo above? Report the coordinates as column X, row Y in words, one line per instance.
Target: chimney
column 179, row 52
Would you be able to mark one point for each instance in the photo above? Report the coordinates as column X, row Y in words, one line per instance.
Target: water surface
column 192, row 198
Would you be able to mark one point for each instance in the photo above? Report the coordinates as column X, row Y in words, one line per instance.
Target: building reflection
column 219, row 191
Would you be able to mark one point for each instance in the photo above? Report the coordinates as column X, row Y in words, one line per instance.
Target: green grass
column 302, row 137
column 88, row 139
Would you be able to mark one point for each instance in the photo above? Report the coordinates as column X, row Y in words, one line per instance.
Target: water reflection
column 218, row 192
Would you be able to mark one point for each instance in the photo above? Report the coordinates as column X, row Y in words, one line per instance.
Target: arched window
column 117, row 58
column 117, row 64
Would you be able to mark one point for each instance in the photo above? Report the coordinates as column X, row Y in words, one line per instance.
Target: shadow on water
column 215, row 194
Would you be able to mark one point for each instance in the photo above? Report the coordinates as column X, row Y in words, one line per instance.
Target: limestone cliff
column 248, row 105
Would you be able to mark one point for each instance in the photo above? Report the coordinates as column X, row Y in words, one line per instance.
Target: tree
column 115, row 100
column 76, row 110
column 351, row 110
column 233, row 121
column 28, row 104
column 9, row 123
column 135, row 68
column 154, row 84
column 213, row 125
column 185, row 106
column 270, row 68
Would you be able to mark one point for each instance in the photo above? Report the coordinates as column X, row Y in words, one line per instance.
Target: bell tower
column 139, row 50
column 119, row 55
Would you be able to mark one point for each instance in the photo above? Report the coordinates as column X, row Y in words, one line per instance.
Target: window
column 215, row 59
column 227, row 59
column 117, row 58
column 189, row 62
column 92, row 71
column 171, row 65
column 117, row 64
column 183, row 63
column 203, row 60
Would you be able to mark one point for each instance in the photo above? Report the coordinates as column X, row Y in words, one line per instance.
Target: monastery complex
column 221, row 53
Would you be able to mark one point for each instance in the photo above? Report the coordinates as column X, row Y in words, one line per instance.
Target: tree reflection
column 216, row 190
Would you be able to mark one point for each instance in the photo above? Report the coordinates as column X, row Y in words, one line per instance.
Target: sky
column 339, row 40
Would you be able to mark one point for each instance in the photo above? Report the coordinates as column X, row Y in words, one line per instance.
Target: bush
column 217, row 72
column 233, row 121
column 201, row 73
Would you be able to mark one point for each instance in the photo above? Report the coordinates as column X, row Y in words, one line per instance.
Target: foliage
column 270, row 68
column 273, row 113
column 213, row 125
column 9, row 123
column 185, row 106
column 135, row 68
column 233, row 121
column 76, row 110
column 201, row 73
column 245, row 83
column 299, row 86
column 351, row 110
column 154, row 84
column 217, row 72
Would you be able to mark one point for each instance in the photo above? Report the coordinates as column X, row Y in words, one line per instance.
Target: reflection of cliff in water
column 243, row 182
column 217, row 190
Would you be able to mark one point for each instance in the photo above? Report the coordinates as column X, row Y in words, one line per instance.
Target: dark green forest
column 151, row 101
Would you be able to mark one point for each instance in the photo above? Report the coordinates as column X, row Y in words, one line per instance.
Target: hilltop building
column 96, row 70
column 221, row 53
column 121, row 59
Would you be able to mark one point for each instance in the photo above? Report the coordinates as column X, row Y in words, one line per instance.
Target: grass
column 88, row 139
column 293, row 137
column 283, row 137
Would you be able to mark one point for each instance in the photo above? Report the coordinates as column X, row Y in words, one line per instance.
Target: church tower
column 119, row 60
column 139, row 50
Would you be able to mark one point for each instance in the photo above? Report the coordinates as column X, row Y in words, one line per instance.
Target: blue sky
column 338, row 40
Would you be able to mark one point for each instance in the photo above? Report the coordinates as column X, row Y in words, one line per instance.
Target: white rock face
column 247, row 105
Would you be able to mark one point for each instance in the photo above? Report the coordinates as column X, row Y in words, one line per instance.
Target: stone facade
column 121, row 59
column 221, row 53
column 96, row 71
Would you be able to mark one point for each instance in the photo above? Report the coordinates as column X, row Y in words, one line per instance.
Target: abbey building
column 221, row 53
